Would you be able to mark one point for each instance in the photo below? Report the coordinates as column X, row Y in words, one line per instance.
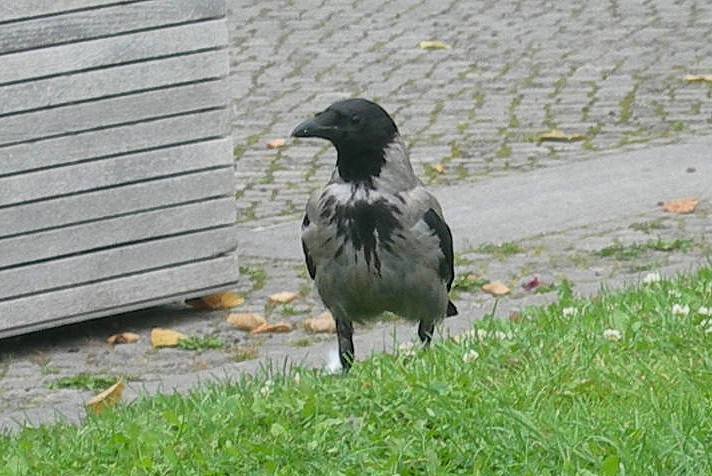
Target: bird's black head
column 360, row 130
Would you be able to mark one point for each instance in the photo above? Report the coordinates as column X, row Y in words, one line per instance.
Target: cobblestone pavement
column 610, row 70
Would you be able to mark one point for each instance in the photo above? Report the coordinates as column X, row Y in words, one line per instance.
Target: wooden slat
column 33, row 8
column 114, row 171
column 114, row 141
column 113, row 20
column 116, row 175
column 116, row 261
column 116, row 201
column 116, row 231
column 55, row 91
column 105, row 52
column 111, row 112
column 115, row 295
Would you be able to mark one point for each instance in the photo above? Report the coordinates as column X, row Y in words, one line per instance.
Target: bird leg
column 425, row 332
column 345, row 331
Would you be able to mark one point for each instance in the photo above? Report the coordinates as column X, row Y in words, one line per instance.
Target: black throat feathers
column 368, row 226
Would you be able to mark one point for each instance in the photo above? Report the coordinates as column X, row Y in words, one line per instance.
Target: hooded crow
column 374, row 239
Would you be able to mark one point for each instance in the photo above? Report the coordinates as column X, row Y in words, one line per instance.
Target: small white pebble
column 705, row 311
column 568, row 311
column 470, row 356
column 614, row 335
column 680, row 310
column 651, row 278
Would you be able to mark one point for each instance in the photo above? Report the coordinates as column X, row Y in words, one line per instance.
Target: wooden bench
column 116, row 170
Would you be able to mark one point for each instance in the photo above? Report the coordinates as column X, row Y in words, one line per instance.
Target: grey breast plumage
column 374, row 239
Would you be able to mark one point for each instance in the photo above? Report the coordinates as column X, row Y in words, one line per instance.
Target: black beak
column 321, row 125
column 305, row 129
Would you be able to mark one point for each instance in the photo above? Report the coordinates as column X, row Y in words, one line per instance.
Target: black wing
column 310, row 263
column 447, row 262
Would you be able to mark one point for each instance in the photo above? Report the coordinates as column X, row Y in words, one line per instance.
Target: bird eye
column 355, row 119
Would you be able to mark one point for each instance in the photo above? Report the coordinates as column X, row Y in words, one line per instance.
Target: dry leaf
column 276, row 143
column 555, row 135
column 681, row 205
column 225, row 300
column 161, row 337
column 272, row 328
column 105, row 399
column 698, row 78
column 324, row 322
column 245, row 321
column 283, row 297
column 439, row 168
column 495, row 288
column 123, row 338
column 433, row 45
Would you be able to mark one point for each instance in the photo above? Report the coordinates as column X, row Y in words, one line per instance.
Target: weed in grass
column 501, row 250
column 256, row 275
column 84, row 382
column 545, row 288
column 468, row 282
column 635, row 250
column 288, row 310
column 622, row 252
column 679, row 244
column 678, row 126
column 240, row 355
column 461, row 260
column 302, row 342
column 648, row 226
column 194, row 342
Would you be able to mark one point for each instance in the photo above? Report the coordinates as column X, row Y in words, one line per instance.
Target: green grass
column 256, row 275
column 84, row 382
column 468, row 282
column 649, row 226
column 501, row 250
column 617, row 384
column 200, row 343
column 635, row 250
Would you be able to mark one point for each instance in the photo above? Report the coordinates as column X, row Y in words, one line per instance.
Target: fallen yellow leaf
column 556, row 135
column 324, row 322
column 225, row 300
column 161, row 337
column 276, row 143
column 245, row 321
column 123, row 338
column 681, row 205
column 439, row 168
column 271, row 328
column 105, row 399
column 698, row 78
column 433, row 45
column 495, row 288
column 283, row 297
